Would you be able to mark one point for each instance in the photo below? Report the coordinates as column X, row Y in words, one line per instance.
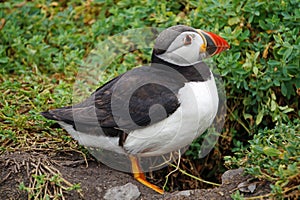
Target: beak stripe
column 215, row 43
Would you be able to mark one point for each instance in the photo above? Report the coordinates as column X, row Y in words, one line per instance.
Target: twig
column 52, row 171
column 83, row 155
column 258, row 197
column 177, row 167
column 194, row 177
column 45, row 191
column 6, row 177
column 166, row 161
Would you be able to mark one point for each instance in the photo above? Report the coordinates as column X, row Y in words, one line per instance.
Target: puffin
column 154, row 109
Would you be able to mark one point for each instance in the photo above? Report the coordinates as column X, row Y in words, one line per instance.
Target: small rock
column 229, row 175
column 221, row 193
column 252, row 187
column 247, row 187
column 124, row 192
column 184, row 193
column 99, row 189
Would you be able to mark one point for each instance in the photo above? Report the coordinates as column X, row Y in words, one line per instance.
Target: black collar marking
column 197, row 72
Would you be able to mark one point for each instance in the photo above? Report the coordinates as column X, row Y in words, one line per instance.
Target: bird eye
column 187, row 40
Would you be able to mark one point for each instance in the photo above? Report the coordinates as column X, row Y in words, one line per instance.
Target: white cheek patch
column 188, row 53
column 181, row 54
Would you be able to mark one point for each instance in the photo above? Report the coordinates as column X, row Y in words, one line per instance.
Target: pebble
column 124, row 192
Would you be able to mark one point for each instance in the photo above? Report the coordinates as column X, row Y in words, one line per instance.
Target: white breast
column 198, row 108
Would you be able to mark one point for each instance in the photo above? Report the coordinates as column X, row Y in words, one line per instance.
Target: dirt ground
column 95, row 178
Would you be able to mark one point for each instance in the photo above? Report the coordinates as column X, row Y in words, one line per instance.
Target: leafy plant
column 274, row 155
column 237, row 195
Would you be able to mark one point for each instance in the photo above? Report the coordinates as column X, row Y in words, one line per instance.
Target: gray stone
column 230, row 175
column 184, row 193
column 124, row 192
column 247, row 187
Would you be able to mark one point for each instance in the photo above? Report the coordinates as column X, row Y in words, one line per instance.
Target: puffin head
column 184, row 46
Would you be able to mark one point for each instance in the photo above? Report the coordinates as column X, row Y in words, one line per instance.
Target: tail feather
column 48, row 115
column 62, row 114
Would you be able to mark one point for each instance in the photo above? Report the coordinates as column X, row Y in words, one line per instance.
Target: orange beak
column 214, row 43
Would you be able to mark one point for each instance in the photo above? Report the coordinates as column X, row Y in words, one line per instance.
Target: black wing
column 133, row 100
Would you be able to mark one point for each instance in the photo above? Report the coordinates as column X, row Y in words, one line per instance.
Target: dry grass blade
column 5, row 178
column 44, row 179
column 194, row 177
column 177, row 167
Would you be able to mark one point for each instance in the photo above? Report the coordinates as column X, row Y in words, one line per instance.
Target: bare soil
column 94, row 178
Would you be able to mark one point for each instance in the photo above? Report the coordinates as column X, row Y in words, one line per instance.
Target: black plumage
column 149, row 91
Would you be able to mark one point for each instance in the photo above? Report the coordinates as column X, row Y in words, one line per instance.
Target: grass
column 43, row 44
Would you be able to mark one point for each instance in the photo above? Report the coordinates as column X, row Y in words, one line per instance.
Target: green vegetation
column 43, row 43
column 273, row 155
